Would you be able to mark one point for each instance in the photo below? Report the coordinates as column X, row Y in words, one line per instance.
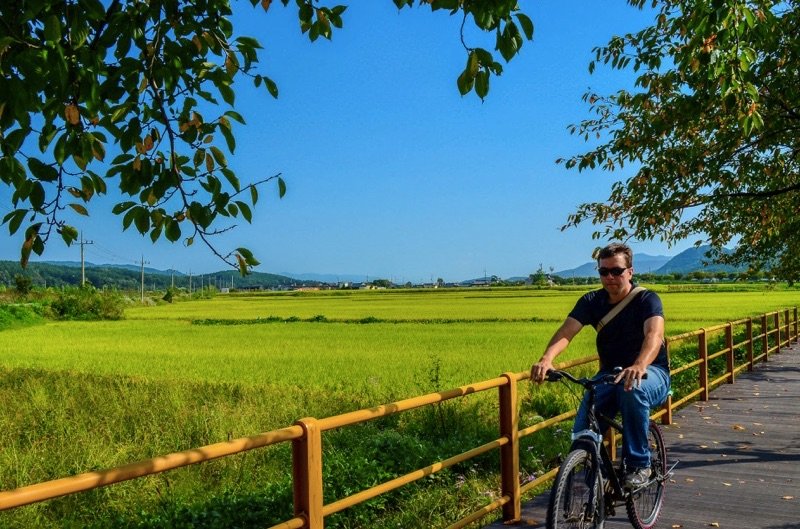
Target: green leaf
column 231, row 177
column 219, row 157
column 173, row 231
column 253, row 195
column 199, row 156
column 155, row 233
column 227, row 93
column 93, row 9
column 99, row 183
column 52, row 29
column 141, row 220
column 122, row 206
column 79, row 209
column 42, row 171
column 60, row 150
column 247, row 255
column 13, row 140
column 281, row 188
column 36, row 197
column 484, row 57
column 465, row 82
column 229, row 138
column 14, row 219
column 245, row 210
column 234, row 116
column 272, row 88
column 69, row 234
column 472, row 63
column 128, row 218
column 527, row 25
column 119, row 113
column 249, row 42
column 758, row 121
column 482, row 84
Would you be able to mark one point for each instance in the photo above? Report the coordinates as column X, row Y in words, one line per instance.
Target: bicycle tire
column 569, row 495
column 644, row 506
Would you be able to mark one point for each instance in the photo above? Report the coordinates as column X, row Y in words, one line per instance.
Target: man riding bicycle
column 631, row 338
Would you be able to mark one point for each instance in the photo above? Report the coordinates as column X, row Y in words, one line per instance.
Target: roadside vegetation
column 81, row 395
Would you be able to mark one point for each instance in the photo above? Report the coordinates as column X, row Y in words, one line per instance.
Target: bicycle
column 588, row 486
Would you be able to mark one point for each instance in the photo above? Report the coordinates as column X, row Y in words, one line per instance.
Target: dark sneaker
column 637, row 478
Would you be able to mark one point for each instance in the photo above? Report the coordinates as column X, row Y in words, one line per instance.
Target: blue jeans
column 634, row 407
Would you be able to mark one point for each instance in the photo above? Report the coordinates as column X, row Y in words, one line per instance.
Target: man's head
column 615, row 266
column 616, row 248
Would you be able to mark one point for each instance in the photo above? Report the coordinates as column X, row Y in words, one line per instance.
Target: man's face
column 615, row 285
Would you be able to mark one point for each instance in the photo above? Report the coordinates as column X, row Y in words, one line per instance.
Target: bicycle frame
column 591, row 440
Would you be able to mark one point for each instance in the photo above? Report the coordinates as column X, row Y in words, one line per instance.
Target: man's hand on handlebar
column 632, row 376
column 539, row 370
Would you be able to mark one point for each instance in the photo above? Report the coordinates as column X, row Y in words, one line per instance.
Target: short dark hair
column 616, row 248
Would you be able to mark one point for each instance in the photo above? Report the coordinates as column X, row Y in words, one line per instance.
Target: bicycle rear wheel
column 644, row 505
column 571, row 506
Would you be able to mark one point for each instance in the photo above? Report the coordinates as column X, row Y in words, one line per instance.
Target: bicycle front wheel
column 572, row 503
column 644, row 505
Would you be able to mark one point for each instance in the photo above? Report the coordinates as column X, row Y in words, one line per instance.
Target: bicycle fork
column 590, row 442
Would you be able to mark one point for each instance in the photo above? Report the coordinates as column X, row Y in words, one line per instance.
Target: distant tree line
column 58, row 276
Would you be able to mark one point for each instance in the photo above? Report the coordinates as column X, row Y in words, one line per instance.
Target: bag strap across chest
column 618, row 308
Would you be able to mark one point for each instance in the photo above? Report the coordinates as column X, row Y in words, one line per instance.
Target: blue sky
column 390, row 172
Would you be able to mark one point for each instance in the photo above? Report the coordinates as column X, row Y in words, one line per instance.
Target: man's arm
column 653, row 338
column 560, row 340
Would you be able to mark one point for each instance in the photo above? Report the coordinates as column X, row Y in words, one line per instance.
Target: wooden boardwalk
column 739, row 456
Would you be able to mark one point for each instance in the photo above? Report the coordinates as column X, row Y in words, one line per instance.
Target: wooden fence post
column 730, row 357
column 764, row 337
column 610, row 439
column 795, row 325
column 788, row 329
column 749, row 344
column 509, row 453
column 667, row 417
column 702, row 351
column 307, row 471
column 777, row 331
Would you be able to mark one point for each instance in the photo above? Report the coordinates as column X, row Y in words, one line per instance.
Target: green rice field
column 77, row 396
column 374, row 339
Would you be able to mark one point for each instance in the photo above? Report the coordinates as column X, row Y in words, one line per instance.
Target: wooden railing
column 775, row 332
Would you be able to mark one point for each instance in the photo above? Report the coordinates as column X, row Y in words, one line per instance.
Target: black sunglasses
column 616, row 271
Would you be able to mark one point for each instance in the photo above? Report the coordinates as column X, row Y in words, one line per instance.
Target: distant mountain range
column 134, row 268
column 129, row 277
column 691, row 260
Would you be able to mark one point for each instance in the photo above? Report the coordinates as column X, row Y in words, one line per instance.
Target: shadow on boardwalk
column 739, row 456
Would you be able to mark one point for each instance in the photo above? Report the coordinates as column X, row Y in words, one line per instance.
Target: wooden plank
column 739, row 456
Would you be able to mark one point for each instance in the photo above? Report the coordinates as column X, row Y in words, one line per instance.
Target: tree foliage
column 140, row 95
column 710, row 130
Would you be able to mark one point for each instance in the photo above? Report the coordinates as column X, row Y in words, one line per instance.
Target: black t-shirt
column 620, row 341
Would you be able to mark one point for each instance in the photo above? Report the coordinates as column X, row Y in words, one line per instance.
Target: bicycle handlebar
column 554, row 375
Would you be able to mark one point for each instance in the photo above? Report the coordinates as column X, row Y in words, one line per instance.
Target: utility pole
column 83, row 267
column 143, row 263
